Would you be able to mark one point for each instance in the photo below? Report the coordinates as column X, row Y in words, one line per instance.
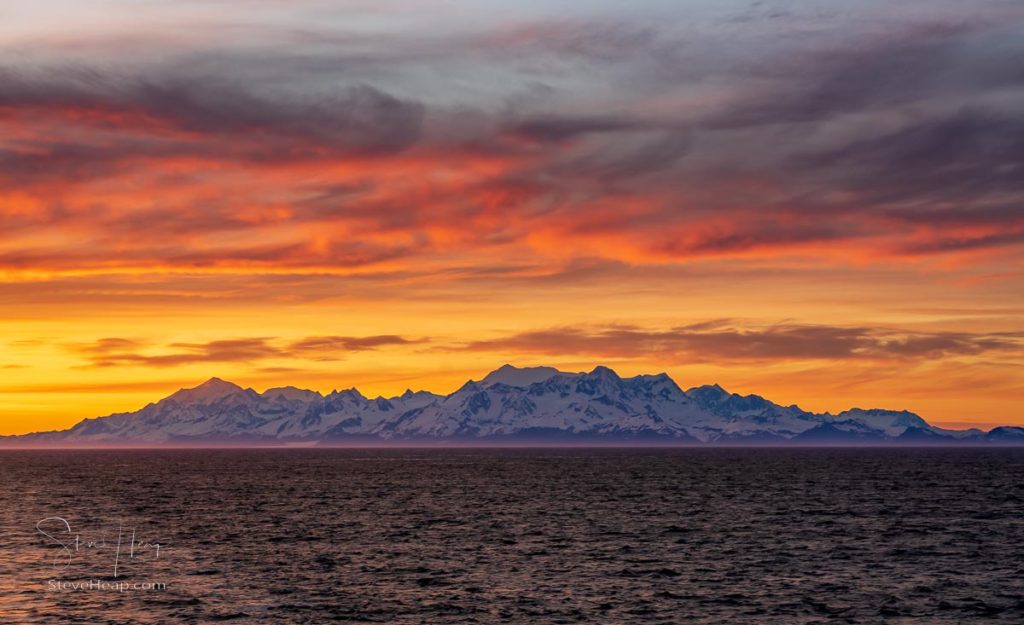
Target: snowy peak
column 892, row 422
column 352, row 394
column 416, row 398
column 660, row 385
column 206, row 393
column 520, row 377
column 708, row 393
column 600, row 381
column 604, row 373
column 718, row 400
column 290, row 393
column 709, row 396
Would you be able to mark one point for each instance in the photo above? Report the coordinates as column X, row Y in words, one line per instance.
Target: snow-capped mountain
column 521, row 405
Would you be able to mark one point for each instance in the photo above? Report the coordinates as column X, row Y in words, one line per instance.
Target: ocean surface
column 746, row 536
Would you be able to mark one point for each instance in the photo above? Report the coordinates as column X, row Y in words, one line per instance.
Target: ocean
column 722, row 536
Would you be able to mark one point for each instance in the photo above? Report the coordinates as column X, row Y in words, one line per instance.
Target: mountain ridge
column 513, row 405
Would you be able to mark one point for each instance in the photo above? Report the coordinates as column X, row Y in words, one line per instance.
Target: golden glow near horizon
column 147, row 339
column 410, row 202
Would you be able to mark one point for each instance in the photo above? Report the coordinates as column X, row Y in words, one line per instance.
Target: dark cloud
column 624, row 161
column 29, row 162
column 353, row 120
column 108, row 387
column 335, row 344
column 112, row 345
column 966, row 243
column 562, row 128
column 901, row 141
column 594, row 41
column 112, row 352
column 332, row 253
column 958, row 181
column 870, row 71
column 719, row 341
column 755, row 234
column 964, row 157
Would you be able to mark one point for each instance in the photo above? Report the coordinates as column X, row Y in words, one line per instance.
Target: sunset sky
column 821, row 202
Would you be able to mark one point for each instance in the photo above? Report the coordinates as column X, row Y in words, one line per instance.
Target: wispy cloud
column 114, row 352
column 724, row 341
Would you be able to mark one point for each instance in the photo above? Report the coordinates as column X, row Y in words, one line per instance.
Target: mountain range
column 518, row 406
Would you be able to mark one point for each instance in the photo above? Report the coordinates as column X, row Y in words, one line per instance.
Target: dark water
column 542, row 536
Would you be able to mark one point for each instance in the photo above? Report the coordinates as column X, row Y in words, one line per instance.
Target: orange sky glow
column 387, row 204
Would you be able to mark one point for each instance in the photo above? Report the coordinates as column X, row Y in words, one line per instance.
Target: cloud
column 867, row 69
column 562, row 128
column 333, row 344
column 724, row 341
column 55, row 388
column 358, row 119
column 621, row 140
column 114, row 352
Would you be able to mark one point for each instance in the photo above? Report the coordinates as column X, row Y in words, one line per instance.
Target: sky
column 821, row 202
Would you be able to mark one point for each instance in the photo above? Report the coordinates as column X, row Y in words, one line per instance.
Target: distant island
column 510, row 406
